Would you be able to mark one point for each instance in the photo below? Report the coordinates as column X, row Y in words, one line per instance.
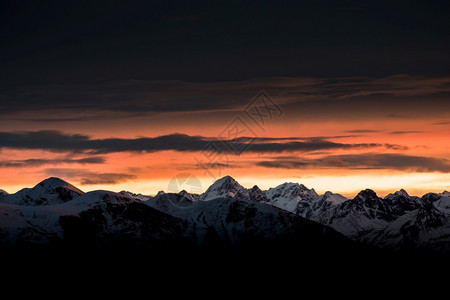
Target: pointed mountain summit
column 401, row 202
column 225, row 187
column 288, row 196
column 190, row 196
column 257, row 195
column 50, row 191
column 333, row 198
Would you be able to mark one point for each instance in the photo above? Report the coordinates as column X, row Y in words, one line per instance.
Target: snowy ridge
column 103, row 218
column 48, row 192
column 364, row 218
column 227, row 211
column 135, row 196
column 291, row 196
column 225, row 187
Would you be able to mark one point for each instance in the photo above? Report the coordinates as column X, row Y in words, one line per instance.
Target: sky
column 168, row 95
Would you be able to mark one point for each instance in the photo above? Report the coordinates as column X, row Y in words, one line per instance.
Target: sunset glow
column 343, row 141
column 340, row 96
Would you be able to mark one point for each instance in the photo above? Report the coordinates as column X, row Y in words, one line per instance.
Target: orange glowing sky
column 342, row 135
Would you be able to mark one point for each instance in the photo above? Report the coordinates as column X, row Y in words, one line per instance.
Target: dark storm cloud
column 220, row 40
column 87, row 178
column 392, row 97
column 61, row 142
column 400, row 132
column 42, row 162
column 365, row 161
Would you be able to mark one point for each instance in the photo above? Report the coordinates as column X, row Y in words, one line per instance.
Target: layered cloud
column 89, row 178
column 42, row 162
column 363, row 161
column 61, row 142
column 387, row 97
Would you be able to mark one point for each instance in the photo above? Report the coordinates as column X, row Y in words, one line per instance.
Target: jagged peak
column 402, row 192
column 226, row 187
column 334, row 198
column 225, row 180
column 186, row 193
column 160, row 193
column 255, row 188
column 367, row 193
column 288, row 185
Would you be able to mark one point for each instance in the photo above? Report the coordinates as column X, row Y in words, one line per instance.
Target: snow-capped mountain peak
column 160, row 193
column 225, row 187
column 190, row 196
column 135, row 196
column 402, row 192
column 50, row 191
column 446, row 193
column 257, row 195
column 366, row 194
column 288, row 195
column 334, row 198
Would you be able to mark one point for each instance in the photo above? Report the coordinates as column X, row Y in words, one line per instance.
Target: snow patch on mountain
column 289, row 195
column 443, row 205
column 190, row 196
column 48, row 192
column 135, row 196
column 225, row 187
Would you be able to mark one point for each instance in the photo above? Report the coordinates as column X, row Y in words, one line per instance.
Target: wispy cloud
column 42, row 162
column 362, row 131
column 400, row 132
column 392, row 161
column 87, row 177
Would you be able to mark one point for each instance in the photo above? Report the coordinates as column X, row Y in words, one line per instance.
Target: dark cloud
column 310, row 98
column 105, row 178
column 405, row 132
column 71, row 41
column 87, row 177
column 362, row 131
column 42, row 162
column 442, row 123
column 215, row 165
column 365, row 161
column 61, row 142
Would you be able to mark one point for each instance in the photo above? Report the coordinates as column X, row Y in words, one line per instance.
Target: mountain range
column 227, row 217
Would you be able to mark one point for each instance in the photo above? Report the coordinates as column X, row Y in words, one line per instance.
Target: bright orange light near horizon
column 340, row 144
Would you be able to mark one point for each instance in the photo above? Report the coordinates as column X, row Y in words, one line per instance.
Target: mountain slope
column 242, row 225
column 227, row 215
column 363, row 218
column 168, row 222
column 48, row 192
column 292, row 197
column 225, row 187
